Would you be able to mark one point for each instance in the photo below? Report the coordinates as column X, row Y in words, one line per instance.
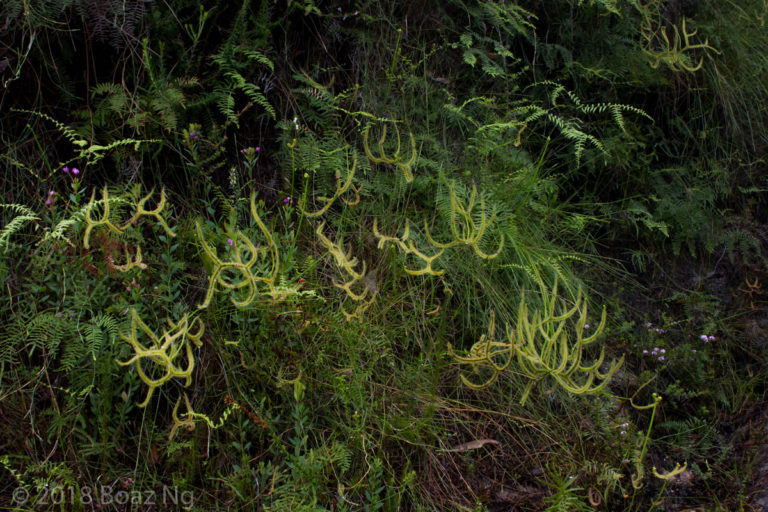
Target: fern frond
column 23, row 215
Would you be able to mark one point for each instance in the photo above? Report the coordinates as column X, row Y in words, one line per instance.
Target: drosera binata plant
column 467, row 228
column 544, row 346
column 167, row 351
column 409, row 248
column 91, row 223
column 342, row 187
column 244, row 263
column 395, row 159
column 347, row 263
column 187, row 419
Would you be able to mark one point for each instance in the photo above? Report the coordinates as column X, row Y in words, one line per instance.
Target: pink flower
column 48, row 202
column 711, row 338
column 704, row 337
column 586, row 326
column 230, row 242
column 661, row 358
column 65, row 169
column 257, row 148
column 51, row 193
column 287, row 200
column 75, row 171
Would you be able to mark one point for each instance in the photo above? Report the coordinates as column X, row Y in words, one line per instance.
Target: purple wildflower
column 75, row 171
column 65, row 169
column 230, row 242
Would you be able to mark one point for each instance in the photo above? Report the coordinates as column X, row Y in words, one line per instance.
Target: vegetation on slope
column 337, row 255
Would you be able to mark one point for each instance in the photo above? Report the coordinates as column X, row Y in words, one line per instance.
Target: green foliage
column 565, row 495
column 23, row 215
column 231, row 67
column 423, row 173
column 87, row 152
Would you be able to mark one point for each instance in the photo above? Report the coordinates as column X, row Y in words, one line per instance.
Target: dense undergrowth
column 309, row 255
